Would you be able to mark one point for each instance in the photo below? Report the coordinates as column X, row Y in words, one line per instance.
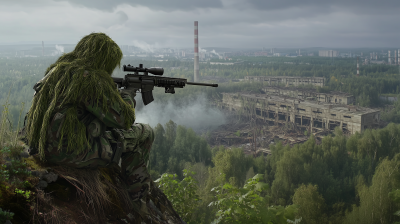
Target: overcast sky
column 222, row 23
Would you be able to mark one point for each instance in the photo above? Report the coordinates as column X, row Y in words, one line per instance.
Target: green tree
column 182, row 194
column 246, row 205
column 311, row 204
column 159, row 153
column 230, row 164
column 375, row 205
column 170, row 133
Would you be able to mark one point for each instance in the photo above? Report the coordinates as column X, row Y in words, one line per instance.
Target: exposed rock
column 66, row 195
column 50, row 177
column 42, row 184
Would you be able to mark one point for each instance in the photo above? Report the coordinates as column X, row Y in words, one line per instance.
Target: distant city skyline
column 222, row 23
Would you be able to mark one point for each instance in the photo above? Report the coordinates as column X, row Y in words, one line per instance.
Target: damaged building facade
column 331, row 97
column 287, row 80
column 314, row 116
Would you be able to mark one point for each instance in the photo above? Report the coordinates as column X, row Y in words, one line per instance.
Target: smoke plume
column 214, row 52
column 195, row 114
column 202, row 50
column 144, row 46
column 60, row 48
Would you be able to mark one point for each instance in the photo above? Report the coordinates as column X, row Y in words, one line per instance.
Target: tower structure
column 389, row 58
column 196, row 51
column 358, row 68
column 398, row 56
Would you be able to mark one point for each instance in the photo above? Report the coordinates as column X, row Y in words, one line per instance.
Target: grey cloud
column 122, row 17
column 365, row 6
column 118, row 18
column 237, row 24
column 159, row 5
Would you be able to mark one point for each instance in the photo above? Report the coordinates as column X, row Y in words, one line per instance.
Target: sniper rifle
column 144, row 83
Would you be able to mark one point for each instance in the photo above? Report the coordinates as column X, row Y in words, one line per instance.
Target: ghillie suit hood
column 83, row 74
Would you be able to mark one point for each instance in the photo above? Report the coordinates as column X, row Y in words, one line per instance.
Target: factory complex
column 307, row 94
column 312, row 115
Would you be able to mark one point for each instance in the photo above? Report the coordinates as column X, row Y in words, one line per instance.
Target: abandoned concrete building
column 287, row 80
column 315, row 116
column 331, row 97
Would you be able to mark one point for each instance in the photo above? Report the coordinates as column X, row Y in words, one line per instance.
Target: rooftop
column 316, row 106
column 309, row 90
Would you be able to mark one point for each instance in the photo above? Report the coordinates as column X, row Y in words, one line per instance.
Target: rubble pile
column 255, row 137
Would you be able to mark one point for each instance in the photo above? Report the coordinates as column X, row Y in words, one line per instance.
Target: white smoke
column 202, row 50
column 214, row 52
column 196, row 114
column 145, row 46
column 60, row 48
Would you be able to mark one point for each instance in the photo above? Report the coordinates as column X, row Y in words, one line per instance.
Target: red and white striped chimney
column 196, row 51
column 358, row 68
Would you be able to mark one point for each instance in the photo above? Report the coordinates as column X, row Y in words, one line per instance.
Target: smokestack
column 389, row 59
column 42, row 48
column 196, row 51
column 358, row 68
column 398, row 58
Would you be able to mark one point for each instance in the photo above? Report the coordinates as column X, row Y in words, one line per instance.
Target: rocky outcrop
column 65, row 195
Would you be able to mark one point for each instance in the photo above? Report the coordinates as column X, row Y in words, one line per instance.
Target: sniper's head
column 98, row 51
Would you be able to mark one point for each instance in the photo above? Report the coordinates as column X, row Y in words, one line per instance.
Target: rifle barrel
column 202, row 84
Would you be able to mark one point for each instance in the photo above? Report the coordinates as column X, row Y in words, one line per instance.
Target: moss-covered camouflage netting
column 80, row 75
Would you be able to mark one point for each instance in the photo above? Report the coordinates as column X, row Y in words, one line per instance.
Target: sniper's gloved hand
column 129, row 92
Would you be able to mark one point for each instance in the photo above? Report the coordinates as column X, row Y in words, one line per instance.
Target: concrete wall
column 306, row 114
column 388, row 98
column 339, row 98
column 328, row 53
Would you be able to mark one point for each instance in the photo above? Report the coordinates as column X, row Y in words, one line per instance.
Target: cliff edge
column 38, row 193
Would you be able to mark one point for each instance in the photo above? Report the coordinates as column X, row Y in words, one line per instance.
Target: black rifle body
column 146, row 83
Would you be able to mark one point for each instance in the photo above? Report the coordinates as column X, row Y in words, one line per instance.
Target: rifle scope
column 154, row 71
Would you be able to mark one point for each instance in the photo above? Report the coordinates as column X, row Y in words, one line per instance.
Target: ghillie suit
column 80, row 120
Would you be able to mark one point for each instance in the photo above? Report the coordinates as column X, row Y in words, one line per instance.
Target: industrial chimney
column 389, row 58
column 42, row 48
column 196, row 51
column 358, row 68
column 398, row 57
